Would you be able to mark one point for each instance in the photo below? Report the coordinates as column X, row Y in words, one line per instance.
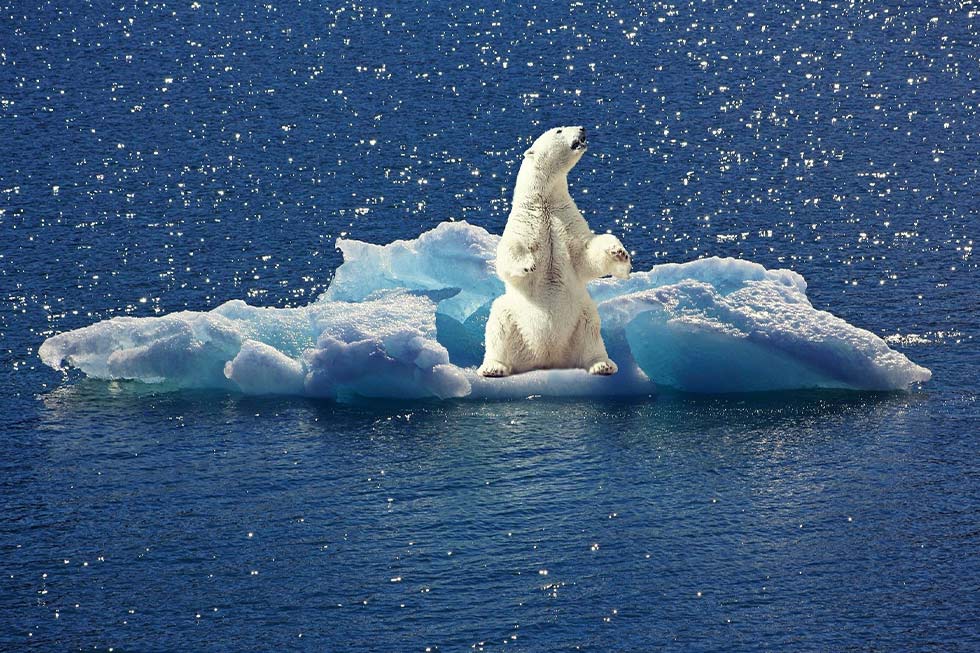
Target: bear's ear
column 528, row 152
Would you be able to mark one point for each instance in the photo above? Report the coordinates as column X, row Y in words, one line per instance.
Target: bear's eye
column 558, row 132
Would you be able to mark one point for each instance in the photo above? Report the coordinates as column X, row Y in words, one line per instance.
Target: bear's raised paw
column 619, row 254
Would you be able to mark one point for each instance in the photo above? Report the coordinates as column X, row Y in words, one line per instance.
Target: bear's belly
column 547, row 326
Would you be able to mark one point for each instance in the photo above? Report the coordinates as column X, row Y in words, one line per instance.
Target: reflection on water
column 563, row 521
column 670, row 416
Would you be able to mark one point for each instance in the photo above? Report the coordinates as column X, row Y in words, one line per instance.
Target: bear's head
column 556, row 151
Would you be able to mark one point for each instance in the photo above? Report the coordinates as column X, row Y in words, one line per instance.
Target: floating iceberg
column 406, row 320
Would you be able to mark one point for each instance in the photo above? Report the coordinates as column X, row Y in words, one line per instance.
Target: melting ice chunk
column 381, row 347
column 405, row 320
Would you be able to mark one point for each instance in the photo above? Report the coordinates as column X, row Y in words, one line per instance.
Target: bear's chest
column 556, row 257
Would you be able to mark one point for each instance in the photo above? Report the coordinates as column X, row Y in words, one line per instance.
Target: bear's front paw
column 608, row 256
column 603, row 368
column 493, row 369
column 619, row 254
column 521, row 268
column 619, row 258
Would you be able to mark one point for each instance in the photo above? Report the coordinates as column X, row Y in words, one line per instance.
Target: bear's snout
column 579, row 142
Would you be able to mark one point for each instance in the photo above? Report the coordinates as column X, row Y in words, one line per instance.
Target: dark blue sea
column 158, row 156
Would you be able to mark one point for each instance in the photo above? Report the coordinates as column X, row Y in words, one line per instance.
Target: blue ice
column 406, row 320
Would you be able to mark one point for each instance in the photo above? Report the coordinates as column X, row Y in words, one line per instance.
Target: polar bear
column 546, row 257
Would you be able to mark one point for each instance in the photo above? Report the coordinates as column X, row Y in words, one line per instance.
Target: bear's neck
column 535, row 190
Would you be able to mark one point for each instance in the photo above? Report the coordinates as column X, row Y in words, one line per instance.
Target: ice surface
column 406, row 320
column 384, row 346
column 763, row 336
column 453, row 255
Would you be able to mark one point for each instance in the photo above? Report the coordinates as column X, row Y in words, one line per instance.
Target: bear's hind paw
column 493, row 369
column 603, row 368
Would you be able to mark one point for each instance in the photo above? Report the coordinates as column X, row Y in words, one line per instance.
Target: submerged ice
column 406, row 320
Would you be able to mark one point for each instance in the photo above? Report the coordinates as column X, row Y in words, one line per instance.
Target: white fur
column 547, row 255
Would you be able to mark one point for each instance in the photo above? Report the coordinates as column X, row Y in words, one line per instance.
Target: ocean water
column 157, row 157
